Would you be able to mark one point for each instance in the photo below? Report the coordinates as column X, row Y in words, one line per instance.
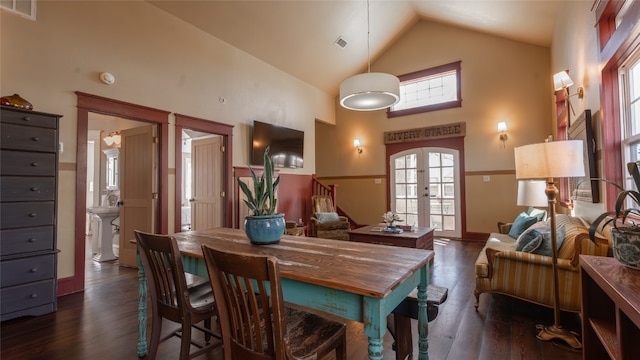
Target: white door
column 138, row 188
column 425, row 189
column 206, row 203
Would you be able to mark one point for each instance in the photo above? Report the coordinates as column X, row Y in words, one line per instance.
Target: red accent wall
column 294, row 195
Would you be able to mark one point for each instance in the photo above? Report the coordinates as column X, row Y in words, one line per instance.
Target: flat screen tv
column 286, row 145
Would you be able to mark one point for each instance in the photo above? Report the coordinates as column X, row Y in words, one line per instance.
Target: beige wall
column 158, row 61
column 502, row 80
column 364, row 209
column 496, row 201
column 575, row 48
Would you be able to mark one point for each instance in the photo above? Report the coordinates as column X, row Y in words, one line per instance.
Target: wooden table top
column 367, row 230
column 365, row 269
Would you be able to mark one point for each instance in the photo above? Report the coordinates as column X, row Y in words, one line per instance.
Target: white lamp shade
column 116, row 138
column 370, row 91
column 555, row 159
column 502, row 126
column 561, row 80
column 531, row 193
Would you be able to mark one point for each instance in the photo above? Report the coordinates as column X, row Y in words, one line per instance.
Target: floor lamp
column 551, row 160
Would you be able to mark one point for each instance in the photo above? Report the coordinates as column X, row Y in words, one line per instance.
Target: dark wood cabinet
column 610, row 309
column 28, row 203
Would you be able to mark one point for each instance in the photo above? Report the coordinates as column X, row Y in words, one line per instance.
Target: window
column 616, row 45
column 629, row 80
column 26, row 8
column 429, row 90
column 405, row 181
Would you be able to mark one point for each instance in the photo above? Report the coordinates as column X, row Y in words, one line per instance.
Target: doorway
column 425, row 189
column 441, row 146
column 202, row 206
column 87, row 104
column 107, row 156
column 217, row 167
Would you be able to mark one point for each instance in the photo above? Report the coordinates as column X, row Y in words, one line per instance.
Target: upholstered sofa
column 528, row 276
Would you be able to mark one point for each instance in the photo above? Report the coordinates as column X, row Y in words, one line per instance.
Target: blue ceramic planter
column 265, row 229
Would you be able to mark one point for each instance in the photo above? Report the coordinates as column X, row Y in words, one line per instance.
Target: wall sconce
column 561, row 80
column 357, row 145
column 113, row 138
column 502, row 128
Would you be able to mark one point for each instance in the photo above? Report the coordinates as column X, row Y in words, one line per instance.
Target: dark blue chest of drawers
column 28, row 212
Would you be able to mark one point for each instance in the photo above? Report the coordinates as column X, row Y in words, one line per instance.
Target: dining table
column 355, row 281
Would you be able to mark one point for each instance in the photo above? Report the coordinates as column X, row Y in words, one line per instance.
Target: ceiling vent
column 26, row 8
column 341, row 42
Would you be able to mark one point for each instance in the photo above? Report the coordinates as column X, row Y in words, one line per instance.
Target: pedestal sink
column 105, row 215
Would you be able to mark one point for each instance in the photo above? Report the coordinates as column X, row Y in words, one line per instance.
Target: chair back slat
column 167, row 271
column 321, row 203
column 253, row 310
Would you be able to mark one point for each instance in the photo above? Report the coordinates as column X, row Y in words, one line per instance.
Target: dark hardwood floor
column 101, row 323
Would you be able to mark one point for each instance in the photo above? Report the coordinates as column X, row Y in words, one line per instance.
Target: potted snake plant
column 264, row 225
column 625, row 222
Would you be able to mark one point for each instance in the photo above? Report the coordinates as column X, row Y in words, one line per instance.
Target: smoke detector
column 107, row 78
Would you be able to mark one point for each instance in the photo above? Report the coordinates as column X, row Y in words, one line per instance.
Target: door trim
column 211, row 127
column 456, row 143
column 87, row 103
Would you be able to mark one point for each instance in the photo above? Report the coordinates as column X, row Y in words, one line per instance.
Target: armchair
column 325, row 222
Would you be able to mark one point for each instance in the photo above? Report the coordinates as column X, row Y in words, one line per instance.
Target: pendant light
column 369, row 91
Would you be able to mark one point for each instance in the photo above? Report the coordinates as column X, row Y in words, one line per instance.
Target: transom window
column 428, row 90
column 26, row 8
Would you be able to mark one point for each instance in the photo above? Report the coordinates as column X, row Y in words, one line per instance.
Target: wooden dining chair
column 254, row 321
column 173, row 299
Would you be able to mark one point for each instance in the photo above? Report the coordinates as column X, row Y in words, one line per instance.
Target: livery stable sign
column 427, row 133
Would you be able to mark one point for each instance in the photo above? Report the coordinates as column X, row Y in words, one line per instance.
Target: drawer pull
column 34, row 164
column 33, row 296
column 26, row 118
column 34, row 270
column 35, row 138
column 32, row 240
column 33, row 215
column 34, row 189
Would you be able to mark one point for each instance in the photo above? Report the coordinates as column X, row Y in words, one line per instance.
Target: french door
column 425, row 189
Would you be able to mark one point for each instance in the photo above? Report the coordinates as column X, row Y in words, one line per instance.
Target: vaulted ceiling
column 299, row 37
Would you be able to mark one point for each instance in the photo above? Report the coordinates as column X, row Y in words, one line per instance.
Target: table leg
column 142, row 311
column 375, row 348
column 423, row 318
